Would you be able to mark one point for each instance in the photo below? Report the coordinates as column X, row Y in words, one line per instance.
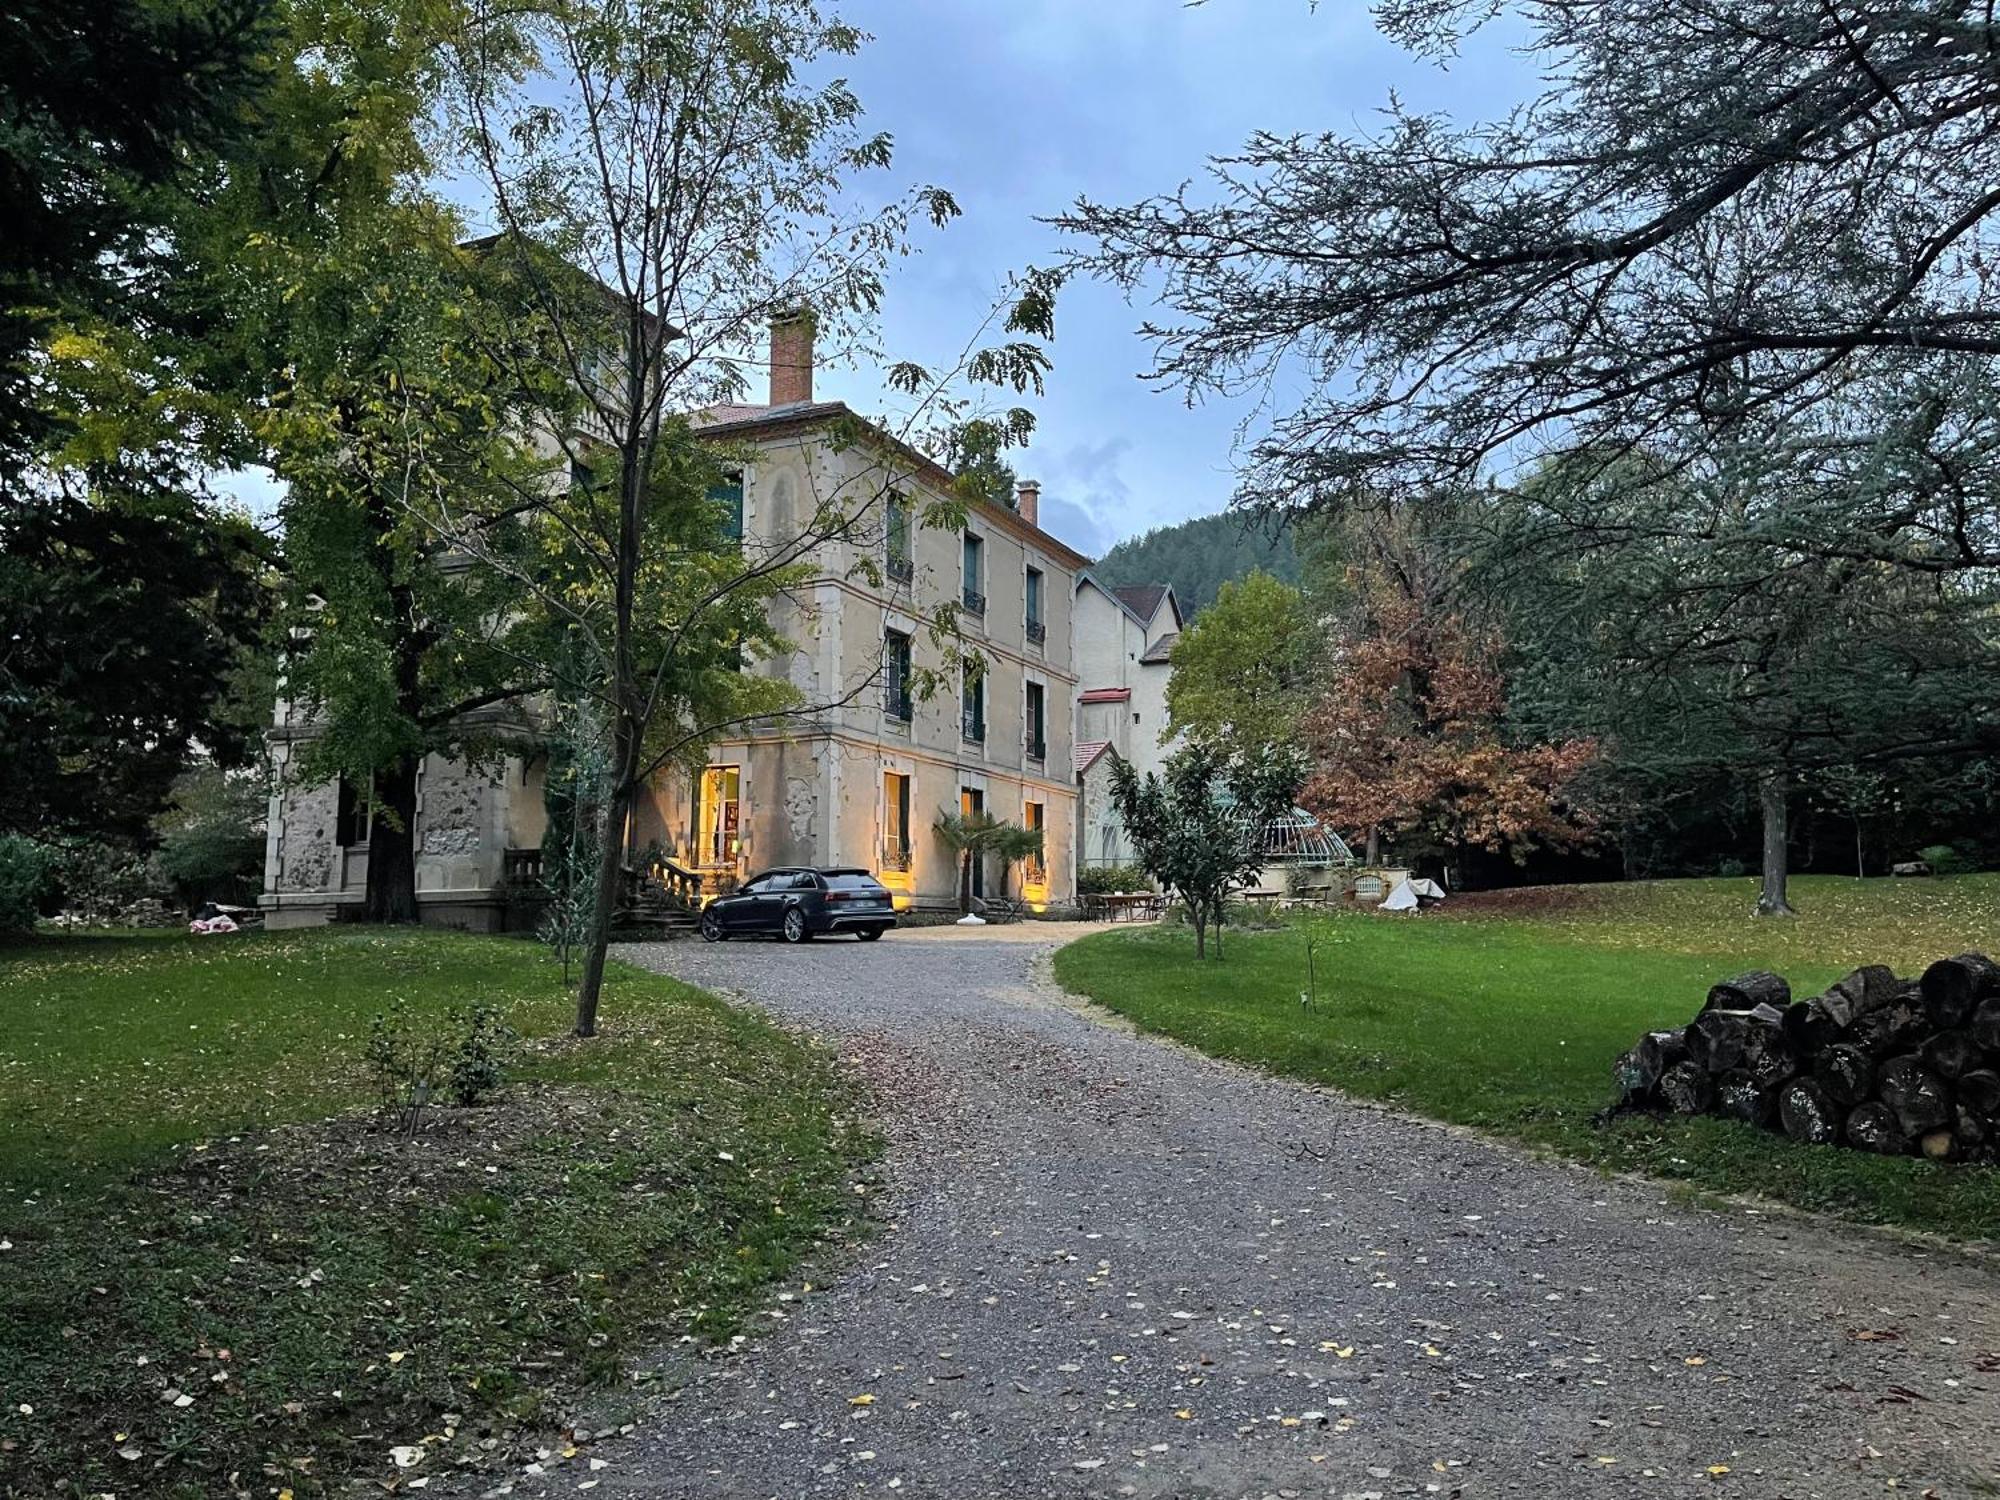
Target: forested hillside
column 1197, row 557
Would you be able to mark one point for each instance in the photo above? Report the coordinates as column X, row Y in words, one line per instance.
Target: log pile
column 1883, row 1064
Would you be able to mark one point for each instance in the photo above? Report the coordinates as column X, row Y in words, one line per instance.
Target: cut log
column 1953, row 987
column 1687, row 1089
column 1952, row 1054
column 1768, row 1057
column 1639, row 1070
column 1986, row 1024
column 1979, row 1091
column 1808, row 1114
column 1809, row 1027
column 1971, row 1128
column 1938, row 1145
column 1738, row 1096
column 1846, row 1073
column 1898, row 1027
column 1915, row 1093
column 1866, row 989
column 1874, row 1127
column 1748, row 991
column 1722, row 1040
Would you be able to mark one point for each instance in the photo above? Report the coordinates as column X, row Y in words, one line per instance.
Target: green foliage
column 650, row 1185
column 1948, row 859
column 576, row 782
column 1242, row 671
column 1473, row 1018
column 125, row 613
column 25, row 873
column 1197, row 557
column 1100, row 880
column 416, row 1058
column 212, row 839
column 1198, row 828
column 113, row 108
column 974, row 835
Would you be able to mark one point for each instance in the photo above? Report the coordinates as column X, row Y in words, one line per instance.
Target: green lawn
column 1507, row 1015
column 325, row 1293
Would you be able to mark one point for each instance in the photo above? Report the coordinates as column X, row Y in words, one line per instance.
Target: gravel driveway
column 1115, row 1267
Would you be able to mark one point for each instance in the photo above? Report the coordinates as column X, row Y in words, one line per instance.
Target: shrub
column 24, row 880
column 414, row 1059
column 1098, row 880
column 97, row 882
column 1948, row 859
column 212, row 840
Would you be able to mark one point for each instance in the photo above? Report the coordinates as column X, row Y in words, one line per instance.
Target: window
column 1034, row 818
column 972, row 706
column 1037, row 631
column 975, row 601
column 1036, row 721
column 899, row 562
column 350, row 815
column 718, row 808
column 895, row 821
column 971, row 800
column 896, row 675
column 728, row 496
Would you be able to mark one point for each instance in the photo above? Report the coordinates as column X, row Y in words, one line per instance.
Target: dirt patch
column 1523, row 903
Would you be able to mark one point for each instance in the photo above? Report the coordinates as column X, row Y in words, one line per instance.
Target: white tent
column 1405, row 897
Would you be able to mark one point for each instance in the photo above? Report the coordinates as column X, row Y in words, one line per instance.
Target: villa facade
column 1125, row 639
column 859, row 780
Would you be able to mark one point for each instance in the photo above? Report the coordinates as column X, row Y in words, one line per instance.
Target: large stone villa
column 859, row 784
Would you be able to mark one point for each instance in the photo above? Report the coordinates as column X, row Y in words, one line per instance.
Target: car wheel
column 795, row 928
column 869, row 934
column 711, row 929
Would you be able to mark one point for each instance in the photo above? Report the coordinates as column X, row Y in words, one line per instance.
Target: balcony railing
column 895, row 855
column 973, row 727
column 900, row 569
column 975, row 602
column 1037, row 632
column 896, row 704
column 1038, row 748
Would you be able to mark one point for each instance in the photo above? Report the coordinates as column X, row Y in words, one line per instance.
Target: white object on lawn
column 970, row 919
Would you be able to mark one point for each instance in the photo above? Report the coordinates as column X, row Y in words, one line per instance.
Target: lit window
column 895, row 821
column 718, row 828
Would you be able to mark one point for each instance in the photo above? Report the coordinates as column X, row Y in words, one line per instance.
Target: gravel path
column 1115, row 1267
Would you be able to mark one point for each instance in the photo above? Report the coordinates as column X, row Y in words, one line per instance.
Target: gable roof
column 1141, row 598
column 1087, row 753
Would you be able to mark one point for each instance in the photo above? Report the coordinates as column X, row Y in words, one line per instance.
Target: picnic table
column 1116, row 906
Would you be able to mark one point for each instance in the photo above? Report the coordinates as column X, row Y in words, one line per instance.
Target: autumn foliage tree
column 1407, row 741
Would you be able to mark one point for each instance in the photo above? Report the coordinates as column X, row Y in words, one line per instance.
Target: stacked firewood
column 1896, row 1066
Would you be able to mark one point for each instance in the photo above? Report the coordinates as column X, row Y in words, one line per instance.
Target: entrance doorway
column 971, row 800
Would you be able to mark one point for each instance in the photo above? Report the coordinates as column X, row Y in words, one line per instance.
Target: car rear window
column 854, row 883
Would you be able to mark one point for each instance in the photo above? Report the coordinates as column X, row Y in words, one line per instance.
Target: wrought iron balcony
column 1037, row 632
column 1038, row 748
column 896, row 704
column 895, row 855
column 900, row 569
column 975, row 602
column 973, row 727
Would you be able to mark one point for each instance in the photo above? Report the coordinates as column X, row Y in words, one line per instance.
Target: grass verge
column 213, row 1279
column 1507, row 1017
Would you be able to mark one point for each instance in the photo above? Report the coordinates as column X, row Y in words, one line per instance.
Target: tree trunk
column 1374, row 855
column 1860, row 863
column 392, row 845
column 1198, row 914
column 610, row 875
column 1771, row 797
column 965, row 883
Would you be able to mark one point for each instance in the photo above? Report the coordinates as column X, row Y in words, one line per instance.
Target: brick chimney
column 1028, row 501
column 791, row 359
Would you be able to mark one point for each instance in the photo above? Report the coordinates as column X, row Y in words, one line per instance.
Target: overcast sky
column 1019, row 106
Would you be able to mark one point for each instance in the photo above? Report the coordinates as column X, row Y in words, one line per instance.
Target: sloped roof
column 1104, row 695
column 1141, row 598
column 1161, row 649
column 1087, row 751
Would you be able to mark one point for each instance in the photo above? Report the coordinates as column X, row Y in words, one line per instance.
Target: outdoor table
column 1118, row 904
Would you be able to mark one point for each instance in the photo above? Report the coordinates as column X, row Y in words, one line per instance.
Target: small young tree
column 1011, row 844
column 968, row 835
column 1198, row 829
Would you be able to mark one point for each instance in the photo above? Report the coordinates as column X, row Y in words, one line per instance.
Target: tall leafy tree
column 1459, row 298
column 1242, row 670
column 686, row 157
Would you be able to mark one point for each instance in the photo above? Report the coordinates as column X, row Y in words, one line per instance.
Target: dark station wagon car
column 797, row 904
